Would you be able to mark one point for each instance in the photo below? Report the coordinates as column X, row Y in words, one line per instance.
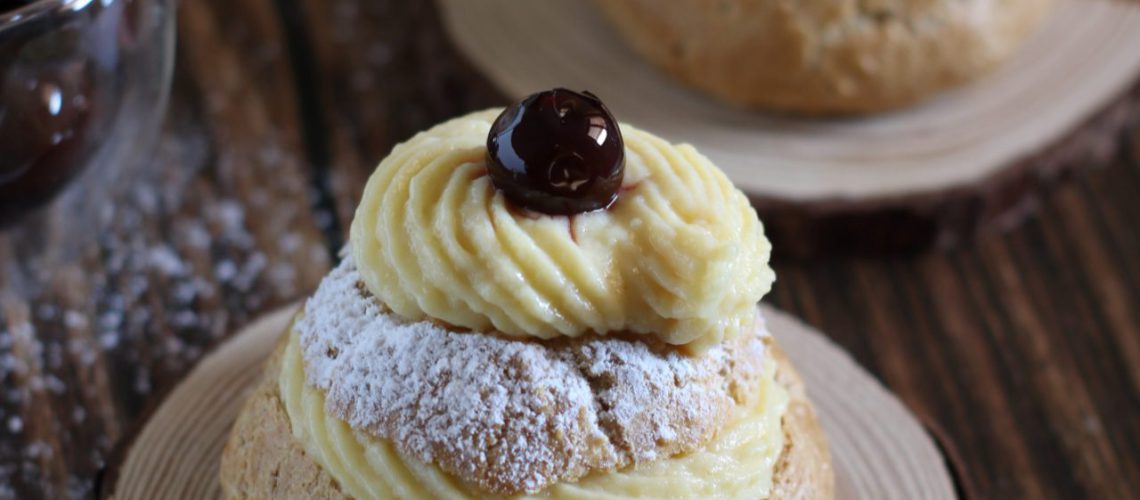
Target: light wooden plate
column 1085, row 53
column 879, row 450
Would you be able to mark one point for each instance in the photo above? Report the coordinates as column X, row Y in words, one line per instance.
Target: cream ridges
column 680, row 255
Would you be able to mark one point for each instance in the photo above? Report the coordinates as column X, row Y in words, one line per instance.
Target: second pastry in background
column 825, row 57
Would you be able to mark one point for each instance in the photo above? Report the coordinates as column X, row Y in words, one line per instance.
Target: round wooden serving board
column 928, row 174
column 879, row 450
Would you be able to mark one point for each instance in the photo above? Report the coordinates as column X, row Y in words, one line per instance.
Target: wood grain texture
column 1022, row 347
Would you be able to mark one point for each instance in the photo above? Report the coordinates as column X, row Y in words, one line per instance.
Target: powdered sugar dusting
column 513, row 416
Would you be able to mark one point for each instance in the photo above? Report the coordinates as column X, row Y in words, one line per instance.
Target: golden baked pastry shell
column 263, row 460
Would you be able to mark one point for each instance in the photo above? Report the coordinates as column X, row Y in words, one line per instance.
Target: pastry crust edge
column 263, row 460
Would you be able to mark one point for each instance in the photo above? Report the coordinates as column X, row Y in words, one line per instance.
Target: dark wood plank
column 386, row 71
column 1022, row 347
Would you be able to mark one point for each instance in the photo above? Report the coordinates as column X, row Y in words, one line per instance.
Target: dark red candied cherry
column 558, row 152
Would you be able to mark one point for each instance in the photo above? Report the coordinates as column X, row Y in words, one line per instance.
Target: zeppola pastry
column 825, row 57
column 536, row 303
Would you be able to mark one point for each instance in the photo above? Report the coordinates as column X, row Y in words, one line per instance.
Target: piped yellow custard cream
column 540, row 304
column 530, row 237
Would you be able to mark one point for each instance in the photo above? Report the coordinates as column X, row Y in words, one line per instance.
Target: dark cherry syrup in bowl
column 82, row 85
column 557, row 152
column 44, row 124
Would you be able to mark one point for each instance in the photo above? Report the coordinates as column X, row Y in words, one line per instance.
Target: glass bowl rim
column 39, row 8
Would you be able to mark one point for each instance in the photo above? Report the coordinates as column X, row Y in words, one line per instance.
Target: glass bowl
column 83, row 86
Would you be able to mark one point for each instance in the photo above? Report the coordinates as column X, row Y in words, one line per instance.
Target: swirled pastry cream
column 680, row 255
column 536, row 304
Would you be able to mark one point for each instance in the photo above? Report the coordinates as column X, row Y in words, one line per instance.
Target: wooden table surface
column 1021, row 351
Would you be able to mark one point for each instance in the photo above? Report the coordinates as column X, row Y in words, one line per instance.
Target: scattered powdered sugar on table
column 125, row 299
column 514, row 415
